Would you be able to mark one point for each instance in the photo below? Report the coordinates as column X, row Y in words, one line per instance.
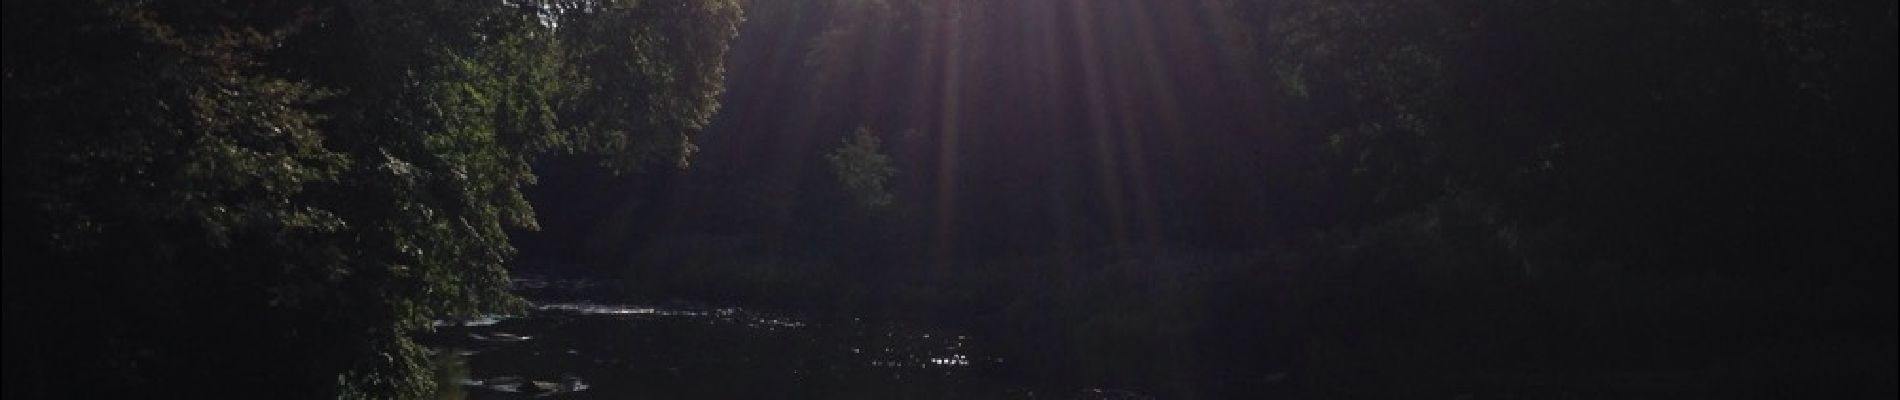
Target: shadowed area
column 1092, row 199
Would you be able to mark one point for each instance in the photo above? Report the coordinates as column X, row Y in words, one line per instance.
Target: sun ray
column 949, row 43
column 1096, row 93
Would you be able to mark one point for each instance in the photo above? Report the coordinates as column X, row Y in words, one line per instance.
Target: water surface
column 581, row 349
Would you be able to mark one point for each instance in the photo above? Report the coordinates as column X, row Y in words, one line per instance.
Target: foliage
column 321, row 179
column 650, row 73
column 863, row 170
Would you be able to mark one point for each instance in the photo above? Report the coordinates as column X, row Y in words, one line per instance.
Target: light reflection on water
column 724, row 314
column 480, row 320
column 564, row 348
column 604, row 309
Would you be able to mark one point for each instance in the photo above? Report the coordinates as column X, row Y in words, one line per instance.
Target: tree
column 190, row 184
column 648, row 73
column 863, row 170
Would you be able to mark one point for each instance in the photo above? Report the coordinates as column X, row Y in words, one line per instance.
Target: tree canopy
column 292, row 189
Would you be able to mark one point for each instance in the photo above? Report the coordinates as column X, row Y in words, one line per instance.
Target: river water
column 577, row 349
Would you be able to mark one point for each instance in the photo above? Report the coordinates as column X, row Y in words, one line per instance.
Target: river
column 567, row 347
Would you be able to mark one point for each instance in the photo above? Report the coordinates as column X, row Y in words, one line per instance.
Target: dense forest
column 1185, row 199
